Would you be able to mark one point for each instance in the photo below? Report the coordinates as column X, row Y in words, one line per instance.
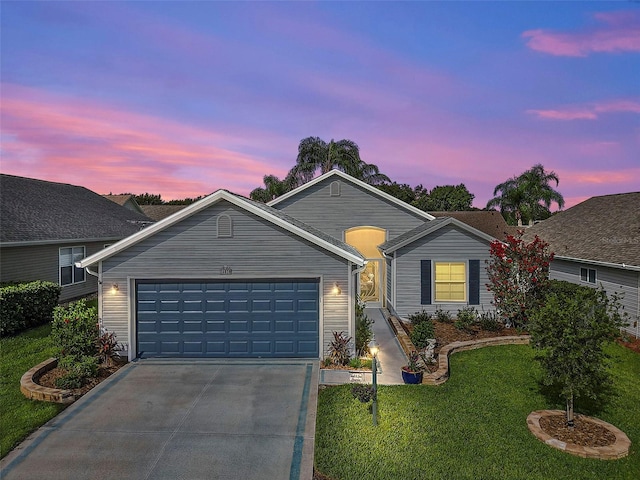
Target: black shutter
column 474, row 282
column 425, row 282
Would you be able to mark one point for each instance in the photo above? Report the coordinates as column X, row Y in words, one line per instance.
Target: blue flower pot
column 411, row 377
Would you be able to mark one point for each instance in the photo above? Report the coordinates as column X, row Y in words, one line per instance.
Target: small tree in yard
column 518, row 276
column 569, row 333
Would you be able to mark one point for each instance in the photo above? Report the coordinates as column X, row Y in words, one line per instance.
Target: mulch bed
column 49, row 378
column 630, row 343
column 585, row 433
column 447, row 333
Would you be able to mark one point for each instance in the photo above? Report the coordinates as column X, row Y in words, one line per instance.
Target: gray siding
column 447, row 244
column 191, row 250
column 623, row 282
column 23, row 264
column 389, row 289
column 353, row 208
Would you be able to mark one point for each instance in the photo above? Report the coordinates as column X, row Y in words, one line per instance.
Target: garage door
column 267, row 318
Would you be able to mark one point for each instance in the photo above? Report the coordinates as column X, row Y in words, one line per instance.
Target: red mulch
column 631, row 343
column 585, row 432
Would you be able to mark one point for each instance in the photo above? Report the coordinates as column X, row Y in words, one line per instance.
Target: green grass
column 18, row 415
column 472, row 427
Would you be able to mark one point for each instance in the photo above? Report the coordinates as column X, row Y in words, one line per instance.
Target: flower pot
column 411, row 377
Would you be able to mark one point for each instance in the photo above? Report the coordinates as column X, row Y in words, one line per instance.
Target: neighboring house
column 160, row 212
column 230, row 277
column 597, row 242
column 126, row 201
column 46, row 227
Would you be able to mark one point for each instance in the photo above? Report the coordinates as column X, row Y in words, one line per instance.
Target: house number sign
column 226, row 270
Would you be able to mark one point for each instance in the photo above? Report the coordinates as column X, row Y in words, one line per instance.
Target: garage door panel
column 228, row 319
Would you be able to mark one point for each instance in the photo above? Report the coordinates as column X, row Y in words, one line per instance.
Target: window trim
column 587, row 275
column 72, row 265
column 464, row 282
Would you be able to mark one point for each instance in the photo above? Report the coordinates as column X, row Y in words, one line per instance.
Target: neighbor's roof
column 361, row 184
column 160, row 212
column 40, row 212
column 272, row 215
column 487, row 221
column 428, row 228
column 603, row 229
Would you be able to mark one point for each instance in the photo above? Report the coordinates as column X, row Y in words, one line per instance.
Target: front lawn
column 18, row 415
column 472, row 427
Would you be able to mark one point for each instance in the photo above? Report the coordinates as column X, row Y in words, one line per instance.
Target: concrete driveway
column 182, row 419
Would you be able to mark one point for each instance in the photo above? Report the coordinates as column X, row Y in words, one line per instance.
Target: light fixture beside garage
column 336, row 289
column 114, row 289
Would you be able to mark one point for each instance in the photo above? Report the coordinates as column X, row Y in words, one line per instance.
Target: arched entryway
column 366, row 240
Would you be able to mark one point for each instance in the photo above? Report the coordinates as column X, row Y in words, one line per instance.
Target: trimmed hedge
column 27, row 305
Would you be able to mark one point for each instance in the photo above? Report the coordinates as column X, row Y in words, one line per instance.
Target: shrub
column 419, row 317
column 422, row 333
column 26, row 305
column 107, row 347
column 442, row 315
column 466, row 318
column 364, row 332
column 339, row 351
column 489, row 321
column 75, row 330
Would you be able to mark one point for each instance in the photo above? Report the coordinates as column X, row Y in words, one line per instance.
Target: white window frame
column 464, row 282
column 78, row 252
column 587, row 275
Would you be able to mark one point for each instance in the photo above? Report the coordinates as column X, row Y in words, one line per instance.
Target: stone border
column 33, row 391
column 619, row 449
column 441, row 375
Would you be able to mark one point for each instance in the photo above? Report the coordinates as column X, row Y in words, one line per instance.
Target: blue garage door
column 270, row 318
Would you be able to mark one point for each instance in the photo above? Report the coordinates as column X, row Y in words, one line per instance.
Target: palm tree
column 315, row 154
column 273, row 188
column 527, row 196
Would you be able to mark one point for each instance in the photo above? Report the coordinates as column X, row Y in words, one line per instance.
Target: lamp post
column 373, row 348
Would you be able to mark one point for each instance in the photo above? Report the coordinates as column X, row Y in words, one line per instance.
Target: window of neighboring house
column 588, row 275
column 69, row 273
column 225, row 227
column 450, row 282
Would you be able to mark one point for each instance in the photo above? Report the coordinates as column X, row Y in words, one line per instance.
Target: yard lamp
column 374, row 349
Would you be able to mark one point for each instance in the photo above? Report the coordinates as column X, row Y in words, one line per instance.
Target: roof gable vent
column 334, row 189
column 225, row 226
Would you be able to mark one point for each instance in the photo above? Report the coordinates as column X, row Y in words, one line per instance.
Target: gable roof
column 127, row 201
column 159, row 212
column 428, row 228
column 36, row 212
column 490, row 222
column 270, row 214
column 604, row 229
column 359, row 183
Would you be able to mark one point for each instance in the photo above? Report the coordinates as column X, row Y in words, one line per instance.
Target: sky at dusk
column 183, row 98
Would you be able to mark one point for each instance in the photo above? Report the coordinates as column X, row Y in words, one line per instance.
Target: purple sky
column 181, row 98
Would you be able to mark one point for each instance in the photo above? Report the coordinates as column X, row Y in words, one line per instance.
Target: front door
column 366, row 240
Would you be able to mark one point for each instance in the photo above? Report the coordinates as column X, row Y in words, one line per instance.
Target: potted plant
column 413, row 370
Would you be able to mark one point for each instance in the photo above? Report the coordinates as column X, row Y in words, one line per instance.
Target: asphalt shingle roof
column 36, row 210
column 602, row 229
column 490, row 222
column 158, row 212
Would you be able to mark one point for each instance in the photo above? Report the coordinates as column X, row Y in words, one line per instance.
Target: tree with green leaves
column 527, row 197
column 273, row 188
column 449, row 198
column 569, row 333
column 315, row 155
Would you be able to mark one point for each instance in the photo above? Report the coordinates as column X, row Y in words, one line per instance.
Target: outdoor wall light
column 336, row 289
column 114, row 289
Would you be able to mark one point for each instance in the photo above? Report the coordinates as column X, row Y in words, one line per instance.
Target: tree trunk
column 570, row 422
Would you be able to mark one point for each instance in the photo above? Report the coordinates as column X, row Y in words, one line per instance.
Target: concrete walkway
column 391, row 356
column 193, row 419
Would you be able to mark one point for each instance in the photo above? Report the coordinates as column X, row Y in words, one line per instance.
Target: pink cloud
column 616, row 32
column 589, row 112
column 111, row 150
